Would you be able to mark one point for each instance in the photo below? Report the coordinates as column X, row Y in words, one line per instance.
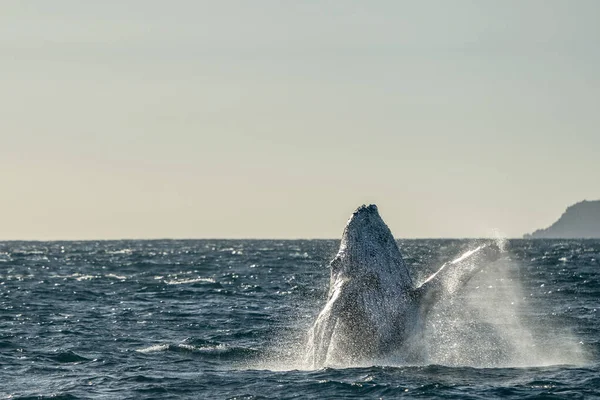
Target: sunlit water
column 229, row 319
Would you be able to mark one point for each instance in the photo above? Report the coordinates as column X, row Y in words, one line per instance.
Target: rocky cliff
column 581, row 220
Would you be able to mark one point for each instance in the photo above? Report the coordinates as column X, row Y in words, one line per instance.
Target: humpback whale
column 373, row 308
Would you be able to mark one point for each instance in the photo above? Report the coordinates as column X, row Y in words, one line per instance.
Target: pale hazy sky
column 275, row 119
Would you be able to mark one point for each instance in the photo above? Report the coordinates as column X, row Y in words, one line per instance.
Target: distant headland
column 581, row 220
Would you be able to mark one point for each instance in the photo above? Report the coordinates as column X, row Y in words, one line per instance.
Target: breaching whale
column 373, row 308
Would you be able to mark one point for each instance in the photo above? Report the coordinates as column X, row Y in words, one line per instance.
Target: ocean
column 228, row 319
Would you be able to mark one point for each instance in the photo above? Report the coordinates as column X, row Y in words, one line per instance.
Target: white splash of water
column 490, row 323
column 154, row 348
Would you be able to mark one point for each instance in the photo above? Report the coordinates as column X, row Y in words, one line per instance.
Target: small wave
column 20, row 252
column 68, row 357
column 139, row 378
column 77, row 276
column 56, row 396
column 189, row 280
column 120, row 277
column 86, row 277
column 122, row 251
column 16, row 277
column 218, row 350
column 154, row 348
column 298, row 254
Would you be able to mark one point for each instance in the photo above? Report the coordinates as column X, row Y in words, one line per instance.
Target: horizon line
column 267, row 238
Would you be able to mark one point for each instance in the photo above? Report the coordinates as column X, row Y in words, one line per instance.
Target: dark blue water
column 227, row 319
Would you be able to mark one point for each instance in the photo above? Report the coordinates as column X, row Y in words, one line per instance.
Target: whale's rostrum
column 373, row 307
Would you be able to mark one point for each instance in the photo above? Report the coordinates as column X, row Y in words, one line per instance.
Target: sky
column 276, row 119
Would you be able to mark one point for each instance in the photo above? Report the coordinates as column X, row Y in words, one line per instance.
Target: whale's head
column 368, row 252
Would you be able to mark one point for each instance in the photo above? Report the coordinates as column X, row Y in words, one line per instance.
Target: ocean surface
column 174, row 319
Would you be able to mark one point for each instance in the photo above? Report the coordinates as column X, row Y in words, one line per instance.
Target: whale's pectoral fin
column 455, row 274
column 322, row 334
column 325, row 324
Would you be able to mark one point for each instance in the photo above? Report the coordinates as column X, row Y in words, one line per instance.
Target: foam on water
column 189, row 280
column 154, row 348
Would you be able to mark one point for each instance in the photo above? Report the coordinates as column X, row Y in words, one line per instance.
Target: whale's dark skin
column 373, row 307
